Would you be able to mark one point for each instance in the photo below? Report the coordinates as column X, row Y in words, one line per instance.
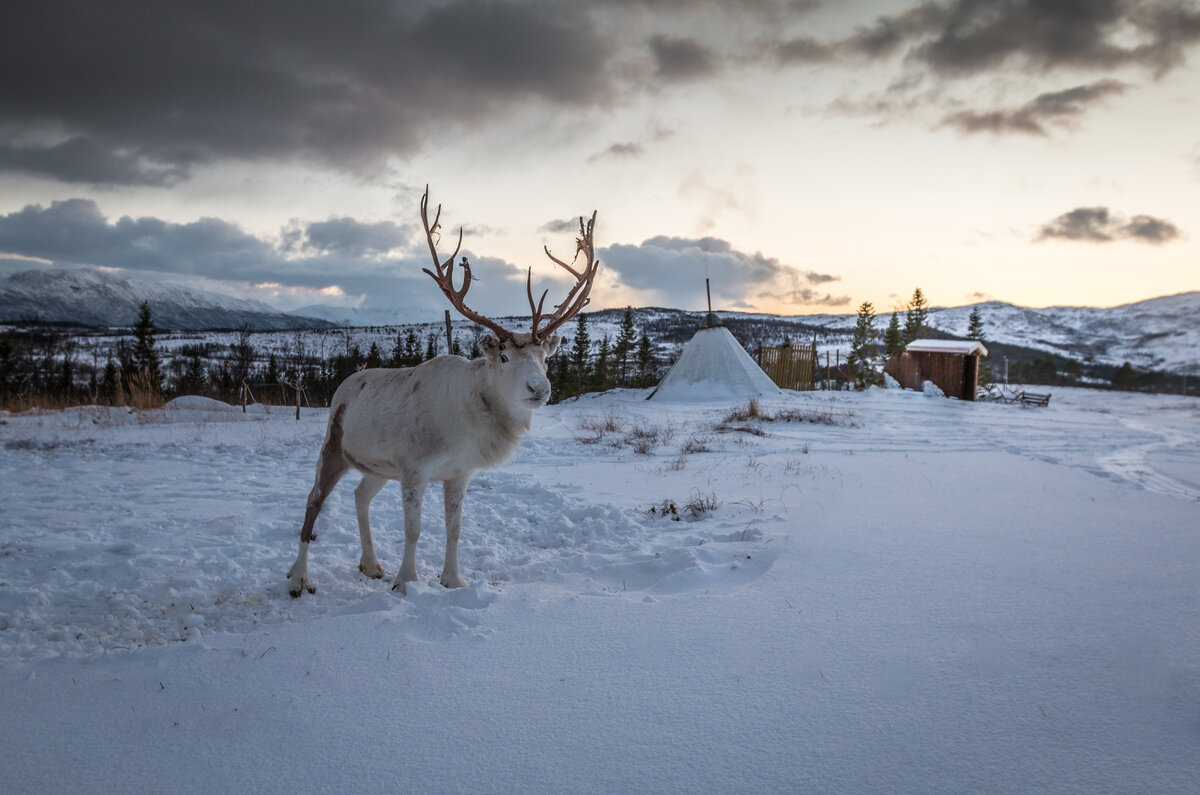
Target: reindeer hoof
column 456, row 581
column 398, row 585
column 299, row 586
column 372, row 569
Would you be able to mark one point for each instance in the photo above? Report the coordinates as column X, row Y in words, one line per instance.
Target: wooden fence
column 790, row 367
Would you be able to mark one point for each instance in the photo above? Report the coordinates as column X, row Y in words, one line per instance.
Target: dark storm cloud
column 1101, row 34
column 356, row 238
column 966, row 37
column 82, row 159
column 340, row 252
column 1098, row 225
column 1032, row 118
column 681, row 58
column 672, row 270
column 145, row 92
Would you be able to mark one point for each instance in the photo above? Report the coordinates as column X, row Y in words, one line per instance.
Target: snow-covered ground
column 889, row 593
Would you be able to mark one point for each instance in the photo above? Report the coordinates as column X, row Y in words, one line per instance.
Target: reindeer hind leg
column 330, row 468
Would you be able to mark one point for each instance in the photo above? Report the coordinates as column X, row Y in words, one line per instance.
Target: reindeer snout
column 539, row 391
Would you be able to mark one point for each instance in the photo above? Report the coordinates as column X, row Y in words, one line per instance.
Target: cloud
column 954, row 42
column 355, row 238
column 350, row 255
column 1098, row 225
column 620, row 151
column 1058, row 107
column 681, row 58
column 124, row 95
column 670, row 271
column 1046, row 34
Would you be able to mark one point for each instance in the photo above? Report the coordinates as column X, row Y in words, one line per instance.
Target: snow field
column 912, row 595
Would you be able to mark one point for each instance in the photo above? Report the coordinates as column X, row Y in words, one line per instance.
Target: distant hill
column 95, row 298
column 1157, row 334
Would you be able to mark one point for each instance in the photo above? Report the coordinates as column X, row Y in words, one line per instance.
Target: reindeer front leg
column 411, row 490
column 453, row 491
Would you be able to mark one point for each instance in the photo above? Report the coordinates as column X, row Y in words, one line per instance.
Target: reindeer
column 444, row 419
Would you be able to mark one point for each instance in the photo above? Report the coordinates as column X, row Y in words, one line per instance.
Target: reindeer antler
column 577, row 297
column 445, row 273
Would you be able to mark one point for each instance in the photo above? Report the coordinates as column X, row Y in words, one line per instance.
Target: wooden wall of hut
column 955, row 374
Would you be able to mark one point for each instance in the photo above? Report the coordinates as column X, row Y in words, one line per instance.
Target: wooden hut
column 951, row 364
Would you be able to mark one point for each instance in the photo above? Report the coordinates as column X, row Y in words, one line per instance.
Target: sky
column 805, row 156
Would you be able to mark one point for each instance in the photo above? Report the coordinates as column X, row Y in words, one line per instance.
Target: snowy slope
column 95, row 298
column 904, row 594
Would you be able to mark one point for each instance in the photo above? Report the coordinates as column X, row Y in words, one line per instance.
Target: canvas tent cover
column 964, row 347
column 714, row 366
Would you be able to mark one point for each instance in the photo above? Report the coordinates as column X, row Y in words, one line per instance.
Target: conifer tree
column 645, row 361
column 893, row 339
column 623, row 347
column 145, row 357
column 431, row 346
column 110, row 385
column 916, row 318
column 272, row 375
column 8, row 369
column 602, row 375
column 580, row 351
column 1124, row 378
column 863, row 350
column 374, row 355
column 975, row 325
column 195, row 378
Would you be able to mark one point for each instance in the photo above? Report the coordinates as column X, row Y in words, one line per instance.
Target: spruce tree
column 893, row 339
column 8, row 369
column 645, row 361
column 272, row 376
column 602, row 377
column 623, row 348
column 431, row 346
column 195, row 378
column 110, row 385
column 145, row 357
column 863, row 350
column 916, row 318
column 581, row 347
column 412, row 349
column 975, row 325
column 374, row 355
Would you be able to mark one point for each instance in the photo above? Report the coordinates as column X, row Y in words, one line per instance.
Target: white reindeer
column 444, row 419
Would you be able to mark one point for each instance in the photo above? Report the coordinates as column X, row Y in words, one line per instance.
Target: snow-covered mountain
column 95, row 298
column 1158, row 334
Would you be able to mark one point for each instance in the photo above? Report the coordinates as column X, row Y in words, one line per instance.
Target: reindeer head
column 519, row 360
column 518, row 367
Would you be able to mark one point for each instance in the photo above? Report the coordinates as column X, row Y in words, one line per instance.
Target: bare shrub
column 668, row 510
column 729, row 427
column 824, row 415
column 696, row 444
column 701, row 504
column 678, row 465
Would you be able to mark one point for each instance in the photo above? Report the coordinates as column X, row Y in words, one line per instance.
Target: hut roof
column 963, row 347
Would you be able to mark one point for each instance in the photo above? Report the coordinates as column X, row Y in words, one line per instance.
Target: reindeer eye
column 503, row 358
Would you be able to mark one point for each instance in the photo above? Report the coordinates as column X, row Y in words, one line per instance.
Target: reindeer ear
column 551, row 344
column 490, row 346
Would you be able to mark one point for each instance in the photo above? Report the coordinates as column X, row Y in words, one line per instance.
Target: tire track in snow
column 1132, row 463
